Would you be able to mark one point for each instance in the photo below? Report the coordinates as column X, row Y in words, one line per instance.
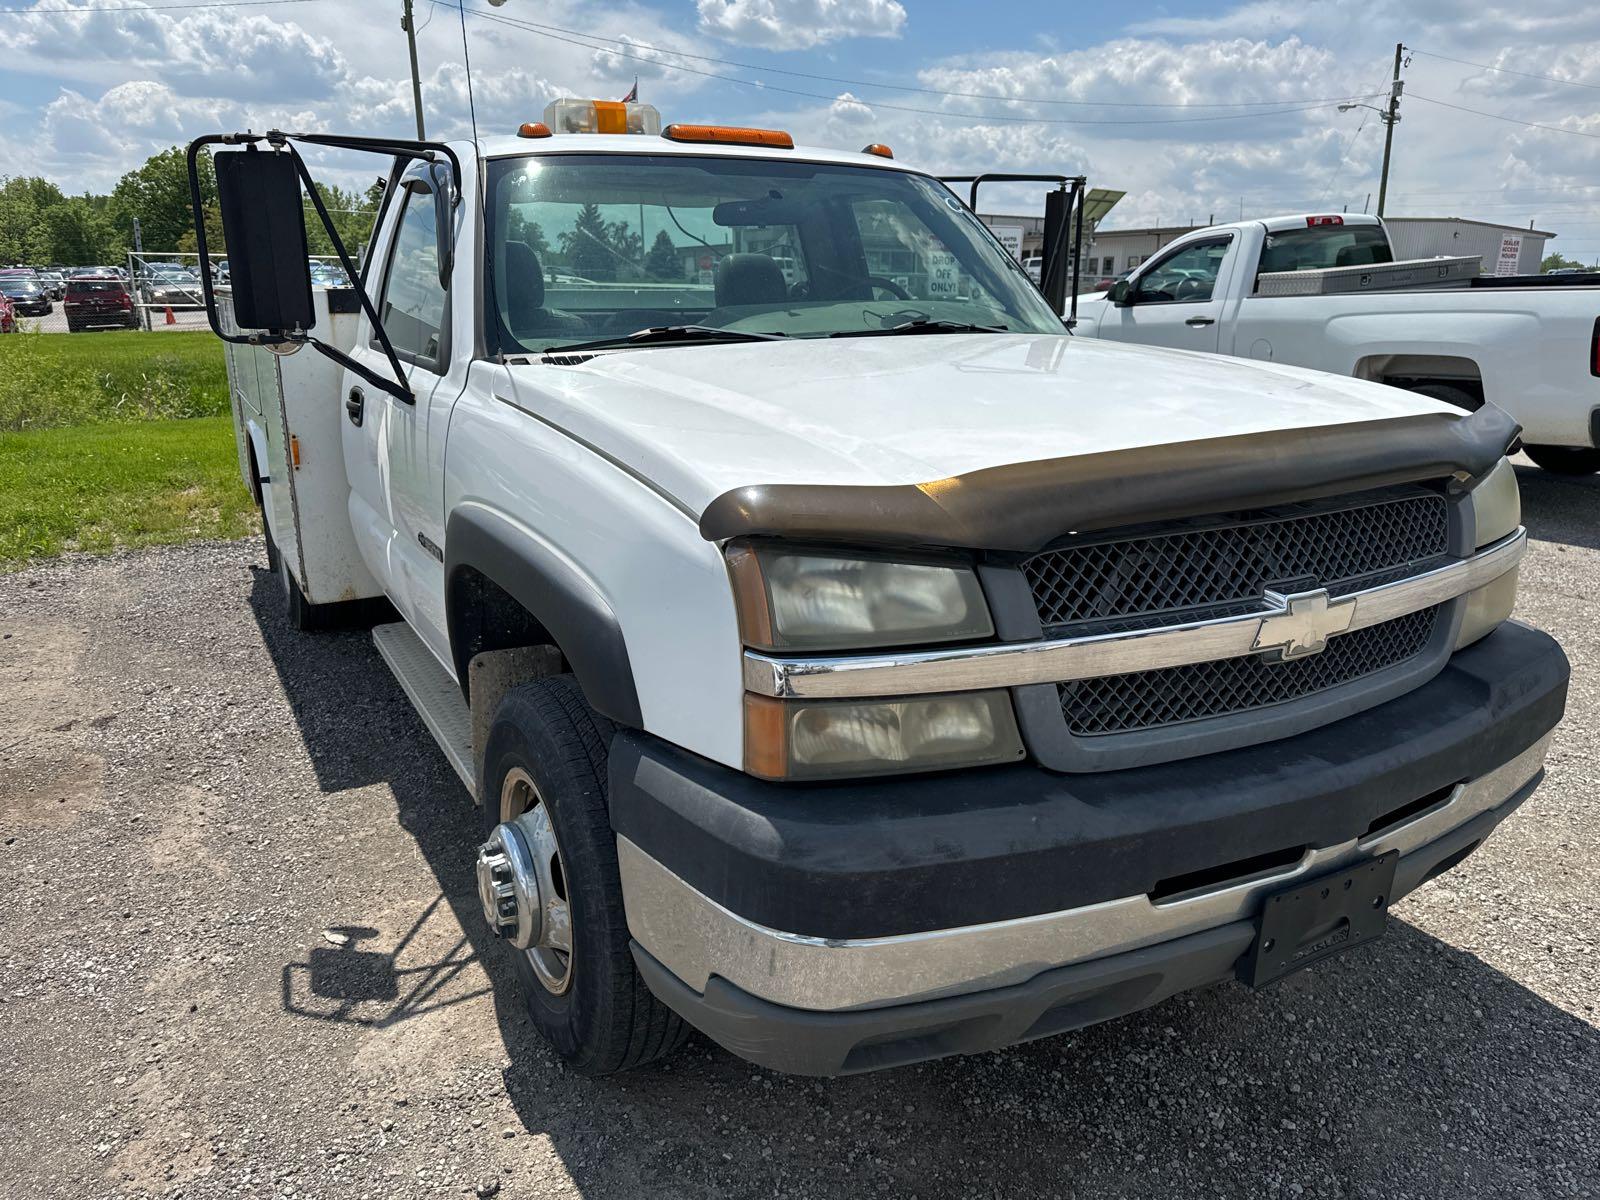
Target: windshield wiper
column 661, row 334
column 923, row 325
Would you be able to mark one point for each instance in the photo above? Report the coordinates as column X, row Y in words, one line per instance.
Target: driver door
column 1176, row 299
column 395, row 456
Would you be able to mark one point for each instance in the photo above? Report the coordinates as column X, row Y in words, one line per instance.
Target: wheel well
column 255, row 470
column 1411, row 371
column 484, row 618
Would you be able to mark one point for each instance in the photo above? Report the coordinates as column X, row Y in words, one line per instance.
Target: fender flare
column 564, row 602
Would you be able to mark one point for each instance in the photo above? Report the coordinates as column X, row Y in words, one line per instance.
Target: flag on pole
column 633, row 95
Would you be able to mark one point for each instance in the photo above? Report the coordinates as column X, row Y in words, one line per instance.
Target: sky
column 1194, row 109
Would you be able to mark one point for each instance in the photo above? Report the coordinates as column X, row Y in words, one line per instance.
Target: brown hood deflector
column 1026, row 506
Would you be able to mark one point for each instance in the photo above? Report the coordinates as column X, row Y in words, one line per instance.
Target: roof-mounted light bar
column 569, row 115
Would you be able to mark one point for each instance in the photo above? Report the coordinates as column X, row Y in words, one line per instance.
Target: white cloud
column 200, row 53
column 799, row 24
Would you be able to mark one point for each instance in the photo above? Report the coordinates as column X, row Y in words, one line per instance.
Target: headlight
column 798, row 600
column 1497, row 511
column 786, row 739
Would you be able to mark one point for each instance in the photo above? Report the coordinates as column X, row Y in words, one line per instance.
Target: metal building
column 1506, row 249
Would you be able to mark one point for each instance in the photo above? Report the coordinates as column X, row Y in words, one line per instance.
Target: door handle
column 355, row 406
column 1199, row 322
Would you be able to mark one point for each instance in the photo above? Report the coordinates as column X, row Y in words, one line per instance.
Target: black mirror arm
column 398, row 387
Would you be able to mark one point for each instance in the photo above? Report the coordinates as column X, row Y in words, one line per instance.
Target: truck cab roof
column 602, row 143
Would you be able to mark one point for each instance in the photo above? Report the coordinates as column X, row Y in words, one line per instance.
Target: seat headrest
column 524, row 283
column 750, row 279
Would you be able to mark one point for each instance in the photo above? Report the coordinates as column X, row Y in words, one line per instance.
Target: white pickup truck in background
column 1526, row 345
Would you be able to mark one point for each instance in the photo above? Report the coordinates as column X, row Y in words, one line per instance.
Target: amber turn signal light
column 729, row 135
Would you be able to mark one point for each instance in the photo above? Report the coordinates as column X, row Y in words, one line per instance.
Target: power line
column 1505, row 70
column 1497, row 117
column 933, row 112
column 630, row 43
column 129, row 9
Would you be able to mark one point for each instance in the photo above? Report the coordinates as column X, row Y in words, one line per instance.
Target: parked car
column 98, row 301
column 8, row 318
column 55, row 282
column 170, row 285
column 1525, row 343
column 29, row 297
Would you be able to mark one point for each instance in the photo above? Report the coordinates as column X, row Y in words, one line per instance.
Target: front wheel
column 549, row 886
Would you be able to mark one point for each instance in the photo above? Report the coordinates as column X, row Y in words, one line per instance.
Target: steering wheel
column 802, row 291
column 890, row 286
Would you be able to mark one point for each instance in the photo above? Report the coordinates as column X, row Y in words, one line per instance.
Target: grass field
column 51, row 380
column 115, row 439
column 98, row 487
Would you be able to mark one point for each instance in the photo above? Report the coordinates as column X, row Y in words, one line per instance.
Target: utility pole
column 1389, row 118
column 409, row 24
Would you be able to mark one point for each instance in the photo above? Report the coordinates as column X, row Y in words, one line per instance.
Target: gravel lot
column 240, row 956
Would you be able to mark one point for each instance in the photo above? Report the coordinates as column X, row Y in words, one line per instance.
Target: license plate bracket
column 1314, row 921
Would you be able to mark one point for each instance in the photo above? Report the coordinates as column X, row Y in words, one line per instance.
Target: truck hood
column 698, row 421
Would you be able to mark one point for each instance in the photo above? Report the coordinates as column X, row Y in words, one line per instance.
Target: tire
column 1565, row 460
column 304, row 615
column 1450, row 394
column 603, row 1018
column 73, row 326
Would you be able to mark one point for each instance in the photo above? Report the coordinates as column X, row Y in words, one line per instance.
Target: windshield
column 587, row 247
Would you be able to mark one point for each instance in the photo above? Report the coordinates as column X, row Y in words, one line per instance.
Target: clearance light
column 533, row 129
column 1313, row 222
column 879, row 149
column 601, row 116
column 729, row 135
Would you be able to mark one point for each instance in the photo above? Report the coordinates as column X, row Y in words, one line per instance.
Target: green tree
column 80, row 234
column 663, row 262
column 158, row 195
column 520, row 229
column 1558, row 262
column 24, row 201
column 587, row 246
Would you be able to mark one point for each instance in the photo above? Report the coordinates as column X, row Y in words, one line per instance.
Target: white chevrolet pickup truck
column 848, row 662
column 1528, row 344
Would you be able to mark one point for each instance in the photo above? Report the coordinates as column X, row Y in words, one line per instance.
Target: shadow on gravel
column 1389, row 1072
column 1560, row 508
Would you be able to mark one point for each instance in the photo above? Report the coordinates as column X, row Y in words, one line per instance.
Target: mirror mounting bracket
column 399, row 386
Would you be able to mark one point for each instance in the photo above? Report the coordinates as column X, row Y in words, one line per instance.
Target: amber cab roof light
column 533, row 129
column 729, row 135
column 879, row 149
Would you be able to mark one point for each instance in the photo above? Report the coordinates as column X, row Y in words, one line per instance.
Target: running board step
column 432, row 692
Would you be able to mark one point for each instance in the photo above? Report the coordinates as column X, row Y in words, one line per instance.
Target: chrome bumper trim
column 1017, row 664
column 695, row 938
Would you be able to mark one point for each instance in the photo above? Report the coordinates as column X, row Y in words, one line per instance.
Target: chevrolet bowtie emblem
column 1306, row 623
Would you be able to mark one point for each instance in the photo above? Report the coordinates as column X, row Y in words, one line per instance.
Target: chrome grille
column 1198, row 571
column 1153, row 699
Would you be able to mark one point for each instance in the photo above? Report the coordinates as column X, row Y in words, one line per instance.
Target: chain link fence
column 166, row 291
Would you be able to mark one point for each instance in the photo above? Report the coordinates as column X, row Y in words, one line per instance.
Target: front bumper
column 834, row 928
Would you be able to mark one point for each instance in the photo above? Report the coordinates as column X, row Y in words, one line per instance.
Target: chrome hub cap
column 522, row 885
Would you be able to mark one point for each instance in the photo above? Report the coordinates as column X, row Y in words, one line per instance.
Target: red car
column 8, row 316
column 94, row 300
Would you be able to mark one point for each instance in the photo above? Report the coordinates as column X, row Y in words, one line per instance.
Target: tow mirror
column 1058, row 248
column 264, row 226
column 434, row 180
column 1121, row 293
